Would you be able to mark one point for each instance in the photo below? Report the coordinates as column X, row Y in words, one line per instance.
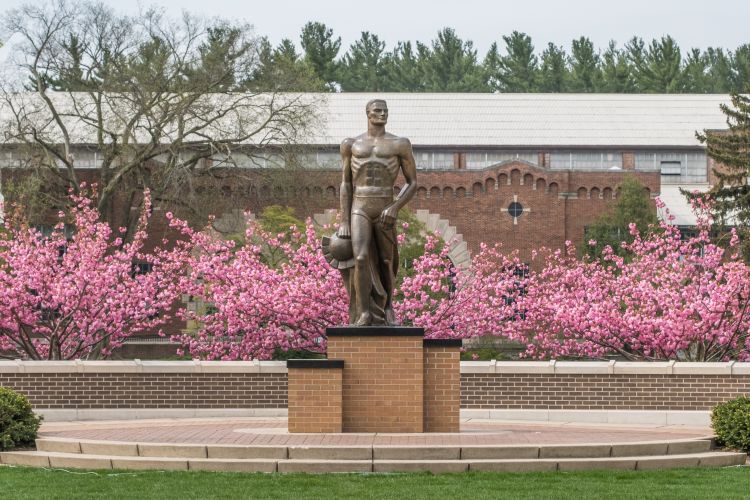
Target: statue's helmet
column 338, row 251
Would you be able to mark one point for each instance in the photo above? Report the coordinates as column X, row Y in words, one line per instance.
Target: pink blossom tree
column 66, row 296
column 256, row 306
column 674, row 298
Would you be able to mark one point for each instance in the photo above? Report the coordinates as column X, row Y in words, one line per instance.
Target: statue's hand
column 345, row 231
column 388, row 217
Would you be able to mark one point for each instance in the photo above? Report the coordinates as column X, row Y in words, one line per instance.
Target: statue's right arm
column 345, row 197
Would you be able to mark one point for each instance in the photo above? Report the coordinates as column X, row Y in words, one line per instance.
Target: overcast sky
column 693, row 23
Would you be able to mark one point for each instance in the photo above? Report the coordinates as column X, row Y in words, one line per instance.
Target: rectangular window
column 479, row 160
column 671, row 168
column 585, row 160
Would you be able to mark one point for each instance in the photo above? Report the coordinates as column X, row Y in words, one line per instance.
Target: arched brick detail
column 553, row 189
column 607, row 193
column 595, row 194
column 448, row 192
column 541, row 184
column 477, row 189
column 515, row 177
column 582, row 193
column 528, row 180
column 503, row 179
column 489, row 185
column 421, row 192
column 460, row 192
column 435, row 192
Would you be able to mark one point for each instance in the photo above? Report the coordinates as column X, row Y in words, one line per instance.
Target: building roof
column 677, row 203
column 523, row 120
column 446, row 119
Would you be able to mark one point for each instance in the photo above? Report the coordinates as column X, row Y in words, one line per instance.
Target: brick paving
column 273, row 431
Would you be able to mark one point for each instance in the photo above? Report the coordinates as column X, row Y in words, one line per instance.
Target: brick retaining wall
column 484, row 385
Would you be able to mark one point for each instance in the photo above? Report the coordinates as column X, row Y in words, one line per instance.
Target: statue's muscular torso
column 375, row 163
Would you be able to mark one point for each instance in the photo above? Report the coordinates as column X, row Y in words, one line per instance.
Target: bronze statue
column 371, row 164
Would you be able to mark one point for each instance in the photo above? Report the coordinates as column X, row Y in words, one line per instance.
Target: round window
column 515, row 209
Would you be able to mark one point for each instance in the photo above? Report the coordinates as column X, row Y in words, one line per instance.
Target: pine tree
column 553, row 71
column 741, row 69
column 518, row 68
column 362, row 68
column 617, row 73
column 720, row 70
column 731, row 149
column 663, row 73
column 695, row 73
column 451, row 65
column 321, row 50
column 283, row 69
column 403, row 69
column 584, row 66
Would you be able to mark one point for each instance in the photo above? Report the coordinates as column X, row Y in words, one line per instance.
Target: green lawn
column 36, row 484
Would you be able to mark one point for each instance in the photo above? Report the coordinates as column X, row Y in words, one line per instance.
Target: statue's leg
column 388, row 249
column 361, row 240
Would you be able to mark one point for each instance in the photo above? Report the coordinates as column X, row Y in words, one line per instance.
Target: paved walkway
column 273, row 431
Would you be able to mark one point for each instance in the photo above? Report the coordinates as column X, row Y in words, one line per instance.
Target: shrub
column 731, row 423
column 18, row 424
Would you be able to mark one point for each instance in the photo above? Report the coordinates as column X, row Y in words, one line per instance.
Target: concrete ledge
column 531, row 367
column 243, row 452
column 321, row 466
column 416, row 453
column 217, row 465
column 56, row 415
column 627, row 417
column 433, row 466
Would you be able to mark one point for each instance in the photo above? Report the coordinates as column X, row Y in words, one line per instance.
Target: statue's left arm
column 409, row 169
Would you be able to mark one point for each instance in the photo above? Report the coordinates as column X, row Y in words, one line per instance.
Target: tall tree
column 148, row 110
column 731, row 150
column 554, row 75
column 617, row 74
column 585, row 73
column 720, row 70
column 518, row 67
column 283, row 69
column 451, row 64
column 404, row 70
column 662, row 72
column 695, row 72
column 741, row 69
column 363, row 68
column 321, row 50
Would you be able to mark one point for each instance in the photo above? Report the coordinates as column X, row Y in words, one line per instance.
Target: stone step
column 85, row 461
column 368, row 452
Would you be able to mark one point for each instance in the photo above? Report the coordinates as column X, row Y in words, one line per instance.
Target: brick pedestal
column 315, row 395
column 442, row 385
column 383, row 379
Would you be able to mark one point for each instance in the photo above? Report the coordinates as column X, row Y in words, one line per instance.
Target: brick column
column 383, row 377
column 315, row 395
column 442, row 385
column 628, row 160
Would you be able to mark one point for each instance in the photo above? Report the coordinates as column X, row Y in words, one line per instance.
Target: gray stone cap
column 442, row 343
column 374, row 331
column 667, row 368
column 315, row 363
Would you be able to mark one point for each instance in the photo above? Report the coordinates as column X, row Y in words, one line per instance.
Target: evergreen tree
column 720, row 70
column 283, row 69
column 553, row 71
column 584, row 66
column 617, row 73
column 451, row 65
column 403, row 69
column 635, row 51
column 518, row 68
column 662, row 73
column 695, row 73
column 321, row 50
column 363, row 68
column 491, row 68
column 613, row 227
column 731, row 149
column 741, row 69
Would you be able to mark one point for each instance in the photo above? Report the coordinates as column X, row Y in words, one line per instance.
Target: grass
column 31, row 483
